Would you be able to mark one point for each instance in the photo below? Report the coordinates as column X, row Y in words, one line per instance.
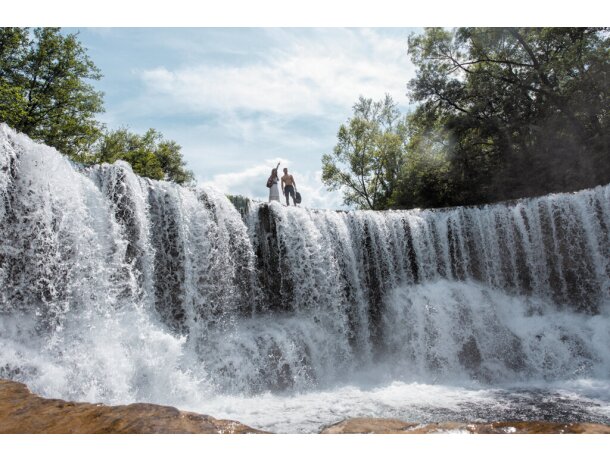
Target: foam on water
column 309, row 412
column 115, row 288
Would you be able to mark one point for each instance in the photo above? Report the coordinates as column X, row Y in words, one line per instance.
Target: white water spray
column 116, row 288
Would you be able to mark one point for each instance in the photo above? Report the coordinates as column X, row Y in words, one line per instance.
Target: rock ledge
column 24, row 412
column 394, row 426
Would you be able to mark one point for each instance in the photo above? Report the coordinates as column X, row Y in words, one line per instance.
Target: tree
column 368, row 156
column 149, row 155
column 44, row 91
column 425, row 180
column 13, row 49
column 526, row 109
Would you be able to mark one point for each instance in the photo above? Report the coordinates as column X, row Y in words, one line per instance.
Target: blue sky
column 238, row 100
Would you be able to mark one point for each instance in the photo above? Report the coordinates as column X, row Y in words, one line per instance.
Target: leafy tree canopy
column 44, row 91
column 500, row 113
column 523, row 111
column 149, row 155
column 368, row 156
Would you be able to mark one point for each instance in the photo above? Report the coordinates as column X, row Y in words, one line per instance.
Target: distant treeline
column 500, row 113
column 44, row 93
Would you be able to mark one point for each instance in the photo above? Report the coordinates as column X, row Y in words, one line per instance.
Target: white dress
column 274, row 191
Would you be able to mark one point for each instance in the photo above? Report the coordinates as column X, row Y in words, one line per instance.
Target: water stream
column 116, row 289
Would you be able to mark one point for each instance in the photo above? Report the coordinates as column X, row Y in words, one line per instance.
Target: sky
column 240, row 100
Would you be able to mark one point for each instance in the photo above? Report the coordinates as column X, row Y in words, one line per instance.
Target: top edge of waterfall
column 8, row 132
column 482, row 206
column 24, row 140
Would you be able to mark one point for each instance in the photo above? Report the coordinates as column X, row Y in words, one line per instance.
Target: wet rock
column 23, row 412
column 395, row 426
column 470, row 356
column 369, row 426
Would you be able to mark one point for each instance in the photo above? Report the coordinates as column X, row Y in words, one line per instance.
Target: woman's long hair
column 274, row 173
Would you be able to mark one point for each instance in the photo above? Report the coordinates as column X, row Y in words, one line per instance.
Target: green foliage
column 241, row 203
column 43, row 88
column 526, row 111
column 368, row 156
column 501, row 113
column 424, row 180
column 149, row 155
column 12, row 55
column 44, row 93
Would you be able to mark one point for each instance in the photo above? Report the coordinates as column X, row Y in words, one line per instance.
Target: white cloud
column 307, row 74
column 315, row 194
column 251, row 182
column 237, row 98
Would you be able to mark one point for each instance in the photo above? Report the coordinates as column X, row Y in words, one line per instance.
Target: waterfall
column 117, row 288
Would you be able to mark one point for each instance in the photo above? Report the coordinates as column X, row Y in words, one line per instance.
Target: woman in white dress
column 274, row 190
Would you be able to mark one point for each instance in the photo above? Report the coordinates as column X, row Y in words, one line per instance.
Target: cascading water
column 116, row 288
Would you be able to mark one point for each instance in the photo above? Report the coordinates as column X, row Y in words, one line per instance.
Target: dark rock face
column 469, row 355
column 170, row 255
column 23, row 412
column 272, row 264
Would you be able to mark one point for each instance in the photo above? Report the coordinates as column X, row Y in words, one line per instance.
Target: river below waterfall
column 573, row 401
column 117, row 289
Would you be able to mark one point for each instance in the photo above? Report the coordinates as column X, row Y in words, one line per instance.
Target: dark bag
column 297, row 198
column 270, row 182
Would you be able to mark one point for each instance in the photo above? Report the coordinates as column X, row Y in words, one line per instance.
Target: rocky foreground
column 393, row 426
column 24, row 412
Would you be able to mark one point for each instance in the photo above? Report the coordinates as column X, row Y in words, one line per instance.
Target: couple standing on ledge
column 288, row 186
